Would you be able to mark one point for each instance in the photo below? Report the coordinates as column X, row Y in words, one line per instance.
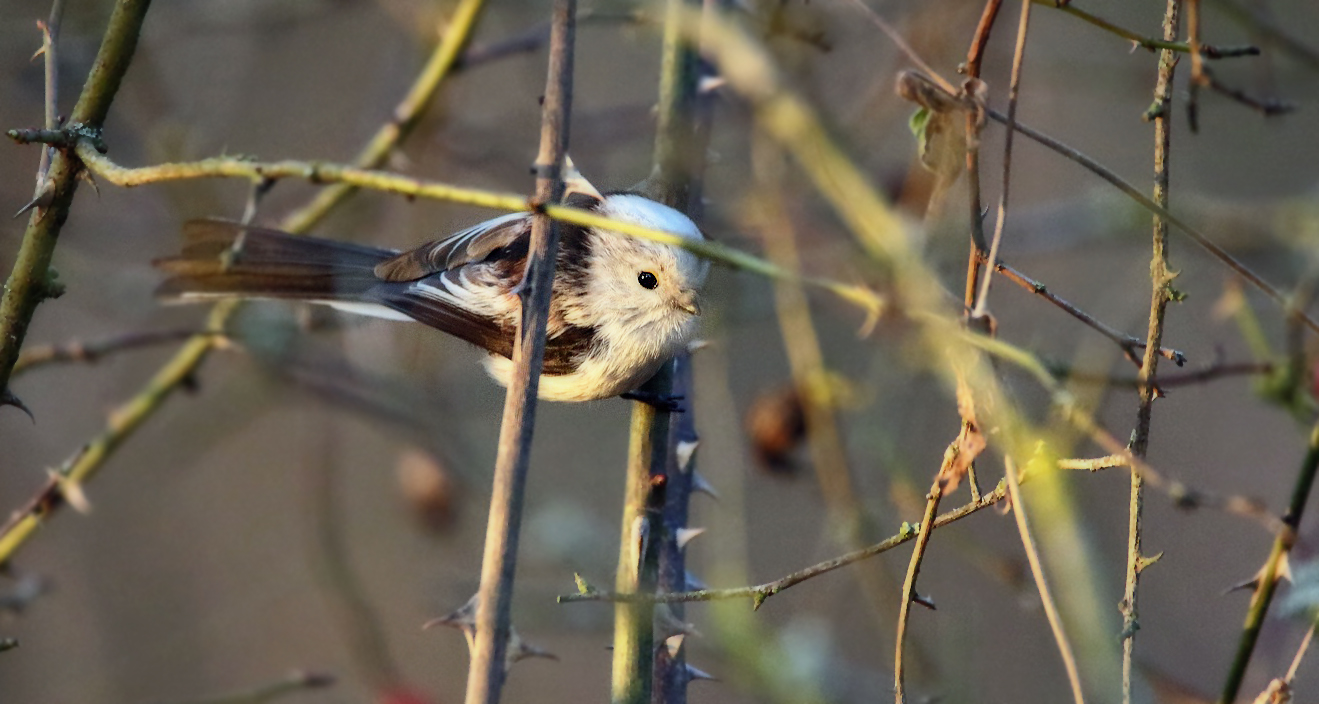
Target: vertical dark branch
column 32, row 280
column 486, row 674
column 1160, row 282
column 1014, row 89
column 974, row 58
column 643, row 673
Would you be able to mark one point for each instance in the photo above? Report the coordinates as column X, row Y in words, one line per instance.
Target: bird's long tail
column 222, row 259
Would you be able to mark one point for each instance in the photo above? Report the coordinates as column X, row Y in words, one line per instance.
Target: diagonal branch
column 130, row 415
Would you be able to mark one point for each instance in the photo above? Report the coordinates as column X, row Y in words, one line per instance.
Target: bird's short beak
column 687, row 300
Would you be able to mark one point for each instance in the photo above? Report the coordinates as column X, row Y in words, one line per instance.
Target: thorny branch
column 32, row 280
column 1267, row 580
column 1127, row 343
column 181, row 368
column 1215, row 250
column 485, row 677
column 1161, row 277
column 909, row 588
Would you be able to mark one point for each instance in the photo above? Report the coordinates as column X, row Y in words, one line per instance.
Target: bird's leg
column 667, row 403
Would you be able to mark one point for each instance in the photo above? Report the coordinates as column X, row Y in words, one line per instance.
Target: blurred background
column 320, row 491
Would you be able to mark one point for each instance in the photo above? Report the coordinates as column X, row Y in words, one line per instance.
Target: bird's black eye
column 647, row 280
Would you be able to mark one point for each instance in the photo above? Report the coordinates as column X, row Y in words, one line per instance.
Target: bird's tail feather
column 223, row 259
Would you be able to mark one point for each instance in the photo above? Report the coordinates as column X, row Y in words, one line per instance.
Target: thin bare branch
column 1127, row 343
column 909, row 589
column 94, row 350
column 1161, row 277
column 1014, row 90
column 486, row 672
column 1037, row 571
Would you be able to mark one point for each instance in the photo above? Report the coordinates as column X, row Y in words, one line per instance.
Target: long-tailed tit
column 620, row 306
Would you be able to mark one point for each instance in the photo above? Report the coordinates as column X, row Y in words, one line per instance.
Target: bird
column 620, row 306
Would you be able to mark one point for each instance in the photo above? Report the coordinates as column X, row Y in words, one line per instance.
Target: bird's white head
column 647, row 293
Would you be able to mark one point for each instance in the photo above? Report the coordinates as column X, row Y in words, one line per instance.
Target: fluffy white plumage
column 621, row 306
column 642, row 328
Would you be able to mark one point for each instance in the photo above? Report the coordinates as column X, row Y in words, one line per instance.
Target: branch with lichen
column 128, row 417
column 32, row 280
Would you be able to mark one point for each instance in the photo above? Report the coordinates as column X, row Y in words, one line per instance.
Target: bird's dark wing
column 419, row 300
column 508, row 232
column 471, row 245
column 427, row 302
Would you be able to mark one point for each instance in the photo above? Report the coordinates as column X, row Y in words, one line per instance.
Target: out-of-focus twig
column 1259, row 21
column 1013, row 481
column 405, row 117
column 359, row 624
column 94, row 350
column 292, row 683
column 50, row 35
column 130, row 415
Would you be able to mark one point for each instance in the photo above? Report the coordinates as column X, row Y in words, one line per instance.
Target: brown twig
column 50, row 34
column 1207, row 51
column 909, row 587
column 1210, row 373
column 1014, row 90
column 92, row 351
column 487, row 669
column 1161, row 278
column 1127, row 343
column 1088, row 163
column 974, row 124
column 761, row 592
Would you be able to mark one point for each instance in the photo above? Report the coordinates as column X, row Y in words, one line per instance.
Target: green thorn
column 583, row 587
